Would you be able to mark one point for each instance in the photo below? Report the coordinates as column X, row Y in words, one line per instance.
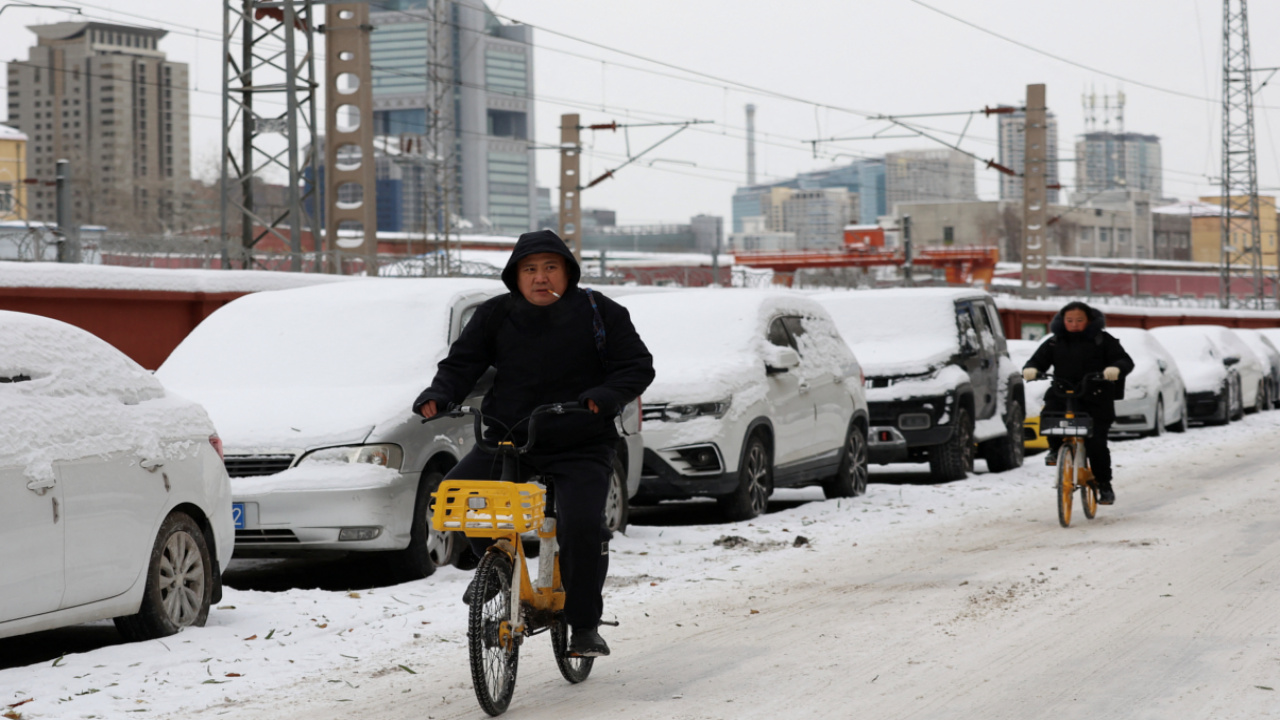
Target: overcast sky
column 810, row 67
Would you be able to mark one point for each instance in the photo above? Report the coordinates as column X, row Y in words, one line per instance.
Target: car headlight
column 388, row 456
column 689, row 411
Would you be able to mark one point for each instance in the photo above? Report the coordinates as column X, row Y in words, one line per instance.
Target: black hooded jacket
column 545, row 354
column 1072, row 355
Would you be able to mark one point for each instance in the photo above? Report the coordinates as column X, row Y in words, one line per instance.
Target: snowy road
column 958, row 601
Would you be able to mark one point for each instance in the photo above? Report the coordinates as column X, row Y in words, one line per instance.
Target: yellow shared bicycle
column 507, row 603
column 1073, row 426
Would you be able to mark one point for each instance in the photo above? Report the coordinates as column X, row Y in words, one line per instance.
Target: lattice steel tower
column 1241, row 279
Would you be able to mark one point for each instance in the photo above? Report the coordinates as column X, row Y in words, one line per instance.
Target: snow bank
column 107, row 277
column 81, row 398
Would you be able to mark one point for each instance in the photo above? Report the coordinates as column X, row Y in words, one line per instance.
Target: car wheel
column 1181, row 425
column 616, row 509
column 1006, row 453
column 755, row 476
column 1237, row 400
column 1157, row 428
column 427, row 548
column 851, row 478
column 179, row 583
column 1260, row 397
column 953, row 459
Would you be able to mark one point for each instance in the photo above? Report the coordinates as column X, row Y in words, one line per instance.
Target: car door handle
column 804, row 388
column 40, row 486
column 150, row 465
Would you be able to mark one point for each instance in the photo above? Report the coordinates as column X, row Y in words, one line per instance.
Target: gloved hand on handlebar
column 1112, row 373
column 1029, row 374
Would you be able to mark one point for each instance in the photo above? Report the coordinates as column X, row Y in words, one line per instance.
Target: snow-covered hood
column 262, row 419
column 909, row 355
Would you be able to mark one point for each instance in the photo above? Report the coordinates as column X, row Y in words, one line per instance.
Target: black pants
column 1095, row 446
column 579, row 481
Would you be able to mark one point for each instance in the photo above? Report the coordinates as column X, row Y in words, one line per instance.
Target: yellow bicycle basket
column 485, row 508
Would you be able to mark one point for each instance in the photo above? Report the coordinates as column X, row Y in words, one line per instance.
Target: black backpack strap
column 597, row 327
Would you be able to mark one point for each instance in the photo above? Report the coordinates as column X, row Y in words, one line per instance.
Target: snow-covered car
column 1266, row 350
column 939, row 382
column 113, row 499
column 1155, row 398
column 1211, row 371
column 1020, row 351
column 755, row 390
column 311, row 391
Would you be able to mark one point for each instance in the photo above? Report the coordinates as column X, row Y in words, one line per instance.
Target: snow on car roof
column 706, row 343
column 897, row 331
column 66, row 394
column 360, row 333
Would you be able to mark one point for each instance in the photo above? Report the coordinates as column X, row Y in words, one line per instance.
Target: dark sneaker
column 1051, row 459
column 1106, row 496
column 587, row 643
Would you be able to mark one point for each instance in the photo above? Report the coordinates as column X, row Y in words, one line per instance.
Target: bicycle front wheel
column 1066, row 483
column 1089, row 498
column 491, row 638
column 574, row 669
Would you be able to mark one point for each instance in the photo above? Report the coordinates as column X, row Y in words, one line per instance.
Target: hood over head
column 540, row 241
column 1097, row 321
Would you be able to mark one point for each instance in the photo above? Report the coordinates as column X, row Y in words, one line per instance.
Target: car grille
column 263, row 537
column 654, row 413
column 254, row 465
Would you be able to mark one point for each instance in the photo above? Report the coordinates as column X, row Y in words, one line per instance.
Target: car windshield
column 895, row 331
column 1187, row 344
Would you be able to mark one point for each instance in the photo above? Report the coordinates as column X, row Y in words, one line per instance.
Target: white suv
column 755, row 389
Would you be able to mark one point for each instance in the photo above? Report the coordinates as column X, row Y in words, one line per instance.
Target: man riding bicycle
column 1079, row 347
column 551, row 341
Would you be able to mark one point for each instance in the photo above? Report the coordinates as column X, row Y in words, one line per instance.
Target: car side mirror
column 1229, row 361
column 1162, row 365
column 780, row 360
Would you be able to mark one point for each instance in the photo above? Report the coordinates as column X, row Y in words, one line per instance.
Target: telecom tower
column 1241, row 272
column 1112, row 110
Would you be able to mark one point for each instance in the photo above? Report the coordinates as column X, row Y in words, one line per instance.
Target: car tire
column 1157, row 427
column 418, row 560
column 953, row 459
column 1260, row 398
column 1006, row 453
column 1181, row 425
column 850, row 479
column 755, row 483
column 1237, row 401
column 617, row 511
column 179, row 583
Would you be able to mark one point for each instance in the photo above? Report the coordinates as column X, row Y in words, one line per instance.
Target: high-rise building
column 1013, row 150
column 455, row 74
column 105, row 98
column 1119, row 161
column 934, row 175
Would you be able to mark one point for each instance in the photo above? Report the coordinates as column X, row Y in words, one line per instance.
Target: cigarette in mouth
column 553, row 292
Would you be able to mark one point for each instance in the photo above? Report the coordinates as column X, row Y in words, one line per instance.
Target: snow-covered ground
column 961, row 600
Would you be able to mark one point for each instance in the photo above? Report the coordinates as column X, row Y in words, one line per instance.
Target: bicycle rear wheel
column 574, row 669
column 1089, row 498
column 1066, row 483
column 493, row 645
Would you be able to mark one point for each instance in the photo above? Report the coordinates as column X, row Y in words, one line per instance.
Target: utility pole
column 907, row 266
column 1035, row 215
column 571, row 184
column 1241, row 233
column 348, row 147
column 68, row 237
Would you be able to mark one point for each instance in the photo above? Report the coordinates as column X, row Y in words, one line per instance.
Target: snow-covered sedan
column 1211, row 370
column 311, row 391
column 1265, row 349
column 1155, row 397
column 113, row 499
column 755, row 389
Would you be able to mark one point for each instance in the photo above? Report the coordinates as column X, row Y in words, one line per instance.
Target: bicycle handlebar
column 561, row 408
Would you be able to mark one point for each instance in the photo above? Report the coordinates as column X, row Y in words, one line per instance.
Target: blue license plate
column 237, row 515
